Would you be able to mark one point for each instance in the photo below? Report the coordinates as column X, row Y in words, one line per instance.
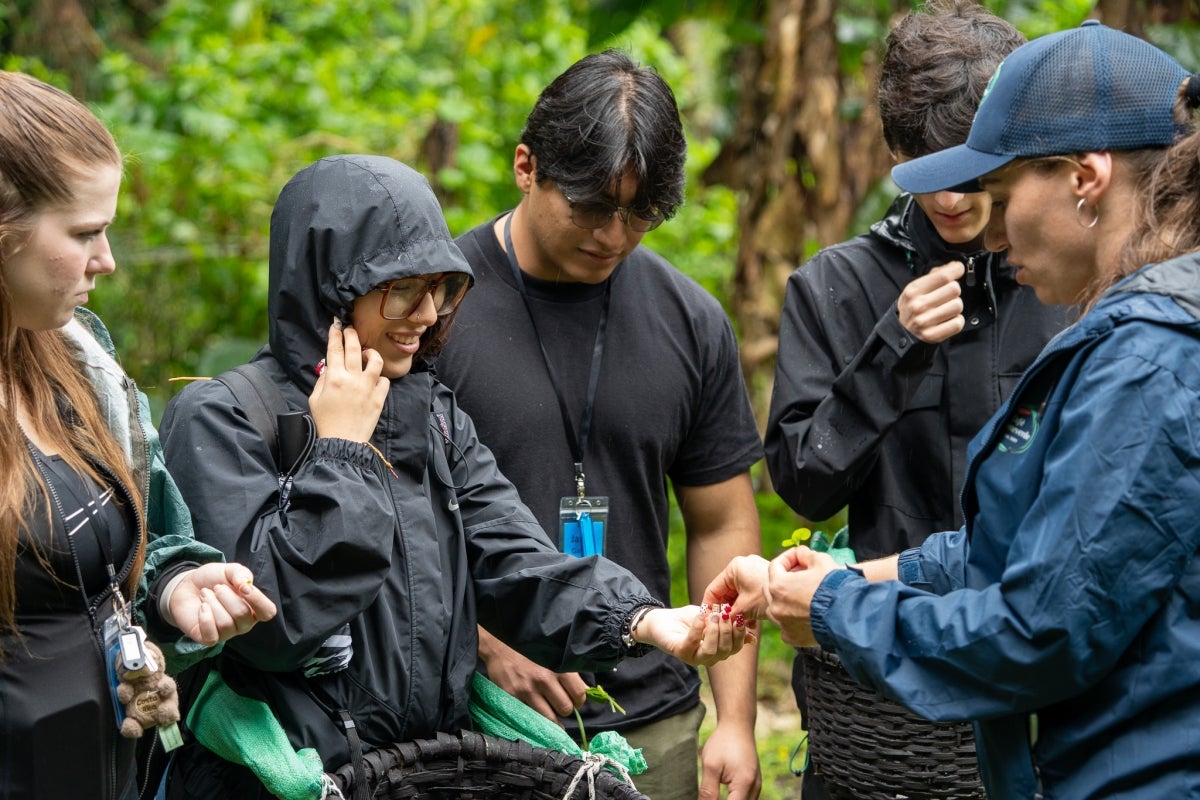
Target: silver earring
column 1079, row 215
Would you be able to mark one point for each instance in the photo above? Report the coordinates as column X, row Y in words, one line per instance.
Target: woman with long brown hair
column 95, row 542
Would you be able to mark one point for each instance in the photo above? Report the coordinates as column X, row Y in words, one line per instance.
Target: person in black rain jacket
column 398, row 524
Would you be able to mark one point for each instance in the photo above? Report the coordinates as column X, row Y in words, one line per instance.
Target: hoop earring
column 1079, row 215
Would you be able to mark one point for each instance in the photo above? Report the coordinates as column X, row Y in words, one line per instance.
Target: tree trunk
column 1133, row 16
column 806, row 150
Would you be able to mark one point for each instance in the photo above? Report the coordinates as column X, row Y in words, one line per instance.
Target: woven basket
column 474, row 765
column 866, row 747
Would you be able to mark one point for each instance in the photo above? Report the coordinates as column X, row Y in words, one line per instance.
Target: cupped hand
column 742, row 586
column 695, row 636
column 931, row 306
column 549, row 693
column 350, row 392
column 216, row 602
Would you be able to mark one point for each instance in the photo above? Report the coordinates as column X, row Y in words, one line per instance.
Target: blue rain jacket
column 1064, row 617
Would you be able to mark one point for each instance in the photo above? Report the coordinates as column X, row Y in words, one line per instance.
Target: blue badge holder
column 581, row 523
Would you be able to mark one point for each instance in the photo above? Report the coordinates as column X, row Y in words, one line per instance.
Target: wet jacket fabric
column 864, row 414
column 1065, row 616
column 58, row 728
column 412, row 557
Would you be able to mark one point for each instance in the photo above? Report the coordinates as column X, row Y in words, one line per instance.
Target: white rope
column 330, row 790
column 591, row 766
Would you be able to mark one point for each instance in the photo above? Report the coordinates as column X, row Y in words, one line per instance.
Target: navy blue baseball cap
column 1091, row 88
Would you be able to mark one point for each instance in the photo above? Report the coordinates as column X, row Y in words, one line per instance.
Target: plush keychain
column 147, row 694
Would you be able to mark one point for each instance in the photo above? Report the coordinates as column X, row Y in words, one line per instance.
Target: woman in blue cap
column 1064, row 617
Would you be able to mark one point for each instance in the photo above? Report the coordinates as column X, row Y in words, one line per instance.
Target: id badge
column 581, row 522
column 112, row 657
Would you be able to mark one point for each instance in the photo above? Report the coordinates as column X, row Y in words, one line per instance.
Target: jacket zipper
column 970, row 270
column 149, row 759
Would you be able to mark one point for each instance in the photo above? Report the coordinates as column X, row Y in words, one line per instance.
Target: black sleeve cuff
column 157, row 627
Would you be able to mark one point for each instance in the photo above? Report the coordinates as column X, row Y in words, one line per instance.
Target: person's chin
column 1046, row 295
column 959, row 234
column 593, row 270
column 397, row 368
column 48, row 323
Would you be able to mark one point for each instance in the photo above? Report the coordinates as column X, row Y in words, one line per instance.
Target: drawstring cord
column 591, row 766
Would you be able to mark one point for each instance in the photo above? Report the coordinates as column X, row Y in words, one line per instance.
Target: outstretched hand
column 780, row 590
column 216, row 601
column 350, row 391
column 695, row 635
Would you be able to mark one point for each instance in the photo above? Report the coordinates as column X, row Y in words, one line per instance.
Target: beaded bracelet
column 635, row 619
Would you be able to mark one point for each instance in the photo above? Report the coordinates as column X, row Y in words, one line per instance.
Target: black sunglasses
column 593, row 214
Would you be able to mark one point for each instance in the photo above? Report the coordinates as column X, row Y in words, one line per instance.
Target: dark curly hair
column 938, row 64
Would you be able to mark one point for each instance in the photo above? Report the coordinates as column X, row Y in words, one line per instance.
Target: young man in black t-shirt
column 593, row 367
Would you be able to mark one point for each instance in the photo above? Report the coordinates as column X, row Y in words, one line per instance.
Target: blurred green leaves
column 217, row 110
column 217, row 105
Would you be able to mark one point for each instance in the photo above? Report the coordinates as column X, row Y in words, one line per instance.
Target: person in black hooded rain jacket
column 896, row 346
column 398, row 524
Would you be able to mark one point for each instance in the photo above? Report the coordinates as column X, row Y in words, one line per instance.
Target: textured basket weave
column 866, row 747
column 474, row 765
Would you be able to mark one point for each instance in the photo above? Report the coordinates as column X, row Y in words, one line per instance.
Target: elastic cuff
column 356, row 453
column 625, row 615
column 823, row 600
column 908, row 567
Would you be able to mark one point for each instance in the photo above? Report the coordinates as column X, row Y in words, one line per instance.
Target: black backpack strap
column 362, row 790
column 441, row 422
column 260, row 398
column 289, row 434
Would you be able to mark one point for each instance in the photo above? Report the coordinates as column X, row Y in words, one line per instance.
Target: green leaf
column 597, row 693
column 799, row 536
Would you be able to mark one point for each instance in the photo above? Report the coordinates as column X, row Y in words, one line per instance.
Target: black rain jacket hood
column 341, row 227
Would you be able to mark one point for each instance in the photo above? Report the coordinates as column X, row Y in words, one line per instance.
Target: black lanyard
column 578, row 444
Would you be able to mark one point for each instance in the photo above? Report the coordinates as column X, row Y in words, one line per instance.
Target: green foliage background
column 220, row 104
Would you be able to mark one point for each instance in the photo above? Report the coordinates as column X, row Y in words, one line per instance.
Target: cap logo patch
column 991, row 83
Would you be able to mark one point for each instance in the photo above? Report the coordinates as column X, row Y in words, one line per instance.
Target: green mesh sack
column 498, row 713
column 245, row 731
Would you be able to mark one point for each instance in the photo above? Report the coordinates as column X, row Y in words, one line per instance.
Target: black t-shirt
column 670, row 402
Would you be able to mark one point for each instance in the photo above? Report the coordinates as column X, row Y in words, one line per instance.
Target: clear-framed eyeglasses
column 593, row 214
column 403, row 296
